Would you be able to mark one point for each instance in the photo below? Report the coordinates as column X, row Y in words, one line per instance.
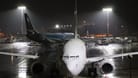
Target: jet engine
column 37, row 68
column 48, row 70
column 105, row 67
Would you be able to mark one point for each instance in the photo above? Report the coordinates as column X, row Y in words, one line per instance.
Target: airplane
column 73, row 56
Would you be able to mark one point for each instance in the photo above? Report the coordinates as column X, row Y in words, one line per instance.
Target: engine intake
column 107, row 68
column 37, row 68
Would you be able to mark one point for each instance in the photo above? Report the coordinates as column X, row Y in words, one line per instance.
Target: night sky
column 47, row 13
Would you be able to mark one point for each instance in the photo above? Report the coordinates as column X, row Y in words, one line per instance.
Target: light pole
column 22, row 8
column 107, row 10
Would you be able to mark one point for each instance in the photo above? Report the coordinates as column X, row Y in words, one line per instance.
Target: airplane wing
column 95, row 59
column 20, row 55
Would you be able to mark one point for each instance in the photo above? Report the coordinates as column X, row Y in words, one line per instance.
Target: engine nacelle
column 105, row 67
column 49, row 70
column 37, row 68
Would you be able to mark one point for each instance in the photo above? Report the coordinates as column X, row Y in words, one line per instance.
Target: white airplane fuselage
column 74, row 55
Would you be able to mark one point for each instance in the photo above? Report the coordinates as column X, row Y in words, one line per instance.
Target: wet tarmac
column 18, row 67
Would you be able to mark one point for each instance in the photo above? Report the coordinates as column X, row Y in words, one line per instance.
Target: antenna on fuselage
column 76, row 20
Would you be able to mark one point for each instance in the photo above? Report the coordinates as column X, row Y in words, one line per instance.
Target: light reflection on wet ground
column 16, row 67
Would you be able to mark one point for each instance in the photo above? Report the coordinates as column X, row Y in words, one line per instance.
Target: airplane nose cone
column 73, row 69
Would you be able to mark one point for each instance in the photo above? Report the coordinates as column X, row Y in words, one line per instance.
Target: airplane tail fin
column 32, row 33
column 29, row 27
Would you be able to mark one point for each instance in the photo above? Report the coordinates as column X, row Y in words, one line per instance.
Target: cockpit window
column 70, row 57
column 65, row 56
